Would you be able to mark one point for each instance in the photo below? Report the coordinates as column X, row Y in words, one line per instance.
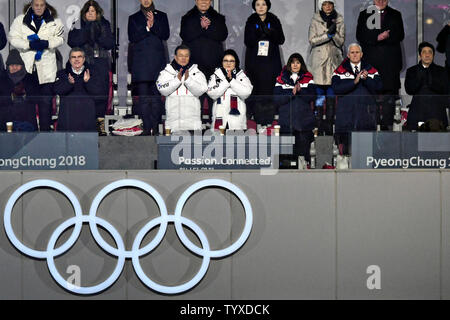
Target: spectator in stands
column 18, row 95
column 356, row 83
column 77, row 86
column 3, row 42
column 96, row 39
column 263, row 37
column 204, row 30
column 381, row 45
column 182, row 83
column 443, row 40
column 36, row 34
column 147, row 29
column 294, row 93
column 428, row 84
column 229, row 87
column 326, row 36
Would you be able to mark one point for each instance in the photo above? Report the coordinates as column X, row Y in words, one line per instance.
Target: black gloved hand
column 332, row 29
column 266, row 29
column 39, row 45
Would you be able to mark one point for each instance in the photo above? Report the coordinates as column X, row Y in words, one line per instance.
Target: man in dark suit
column 380, row 39
column 147, row 29
column 204, row 30
column 428, row 84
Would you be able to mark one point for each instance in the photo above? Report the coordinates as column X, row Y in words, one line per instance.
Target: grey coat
column 326, row 54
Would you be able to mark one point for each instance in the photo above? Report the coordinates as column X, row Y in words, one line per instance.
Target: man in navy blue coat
column 356, row 83
column 77, row 86
column 147, row 29
column 204, row 30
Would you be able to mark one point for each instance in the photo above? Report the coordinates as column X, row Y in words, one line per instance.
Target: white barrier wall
column 316, row 235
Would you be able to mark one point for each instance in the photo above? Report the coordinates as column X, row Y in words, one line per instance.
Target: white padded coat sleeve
column 167, row 83
column 16, row 37
column 242, row 85
column 56, row 35
column 196, row 83
column 217, row 86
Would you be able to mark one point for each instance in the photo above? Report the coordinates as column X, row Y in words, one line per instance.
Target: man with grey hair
column 380, row 32
column 37, row 33
column 356, row 83
column 77, row 86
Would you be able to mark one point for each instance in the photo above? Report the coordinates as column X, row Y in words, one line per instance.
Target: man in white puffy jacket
column 36, row 34
column 229, row 86
column 182, row 83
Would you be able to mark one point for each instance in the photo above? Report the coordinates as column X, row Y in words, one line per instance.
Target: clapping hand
column 384, row 35
column 205, row 22
column 186, row 74
column 87, row 76
column 358, row 77
column 180, row 74
column 297, row 89
column 229, row 75
column 71, row 79
column 150, row 19
column 364, row 74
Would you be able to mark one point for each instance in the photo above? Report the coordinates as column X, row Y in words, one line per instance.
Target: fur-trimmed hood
column 52, row 9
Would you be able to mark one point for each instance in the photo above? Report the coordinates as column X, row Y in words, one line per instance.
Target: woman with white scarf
column 229, row 87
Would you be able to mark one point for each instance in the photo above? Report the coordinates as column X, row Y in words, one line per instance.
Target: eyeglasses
column 229, row 61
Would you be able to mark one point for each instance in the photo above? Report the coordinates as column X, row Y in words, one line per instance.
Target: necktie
column 356, row 70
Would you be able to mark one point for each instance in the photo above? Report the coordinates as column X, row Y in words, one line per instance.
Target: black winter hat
column 267, row 3
column 234, row 54
column 14, row 58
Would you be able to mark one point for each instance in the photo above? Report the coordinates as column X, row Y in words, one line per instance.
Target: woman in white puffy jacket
column 36, row 34
column 229, row 87
column 182, row 83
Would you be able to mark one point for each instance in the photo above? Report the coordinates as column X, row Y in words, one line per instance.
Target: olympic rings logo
column 120, row 252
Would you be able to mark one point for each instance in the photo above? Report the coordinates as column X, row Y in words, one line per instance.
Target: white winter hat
column 322, row 1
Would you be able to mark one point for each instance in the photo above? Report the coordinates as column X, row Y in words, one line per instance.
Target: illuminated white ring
column 171, row 289
column 52, row 254
column 248, row 217
column 32, row 185
column 117, row 185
